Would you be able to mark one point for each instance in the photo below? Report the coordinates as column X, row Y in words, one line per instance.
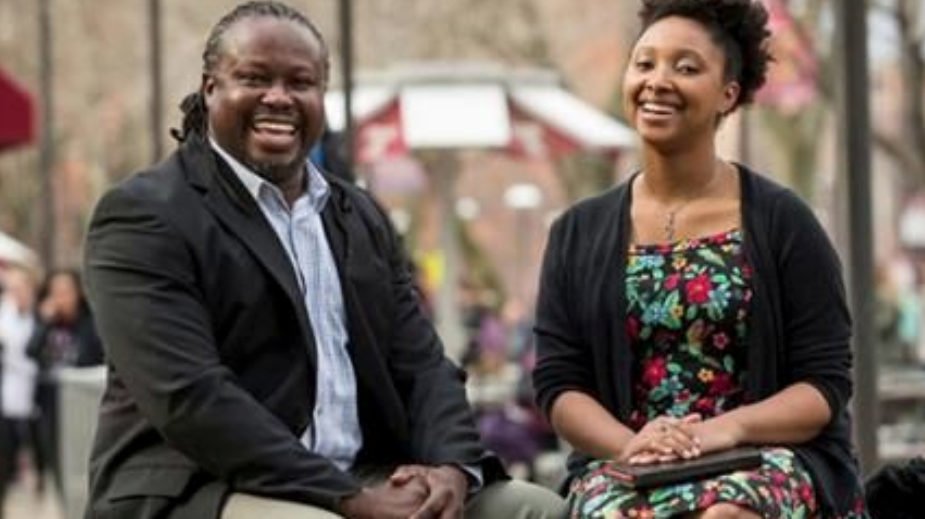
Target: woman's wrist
column 730, row 430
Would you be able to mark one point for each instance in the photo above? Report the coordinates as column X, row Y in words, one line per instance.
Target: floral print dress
column 687, row 304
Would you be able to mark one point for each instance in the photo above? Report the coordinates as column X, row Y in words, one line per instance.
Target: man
column 268, row 354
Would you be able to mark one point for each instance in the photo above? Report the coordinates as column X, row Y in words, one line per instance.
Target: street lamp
column 523, row 196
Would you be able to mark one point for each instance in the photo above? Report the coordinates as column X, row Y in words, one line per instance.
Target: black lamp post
column 854, row 143
column 346, row 56
column 154, row 48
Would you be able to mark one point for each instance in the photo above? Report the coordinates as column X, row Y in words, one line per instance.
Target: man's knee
column 246, row 506
column 515, row 500
column 728, row 511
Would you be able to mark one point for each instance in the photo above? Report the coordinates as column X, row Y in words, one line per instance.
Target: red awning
column 17, row 114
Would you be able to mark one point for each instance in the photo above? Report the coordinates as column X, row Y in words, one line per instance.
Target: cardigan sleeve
column 563, row 361
column 816, row 320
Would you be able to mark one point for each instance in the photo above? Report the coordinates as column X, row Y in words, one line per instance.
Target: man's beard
column 276, row 173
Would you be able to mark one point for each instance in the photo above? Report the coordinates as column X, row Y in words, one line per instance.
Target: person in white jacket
column 17, row 370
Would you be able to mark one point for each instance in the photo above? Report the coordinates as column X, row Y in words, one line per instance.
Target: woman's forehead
column 677, row 32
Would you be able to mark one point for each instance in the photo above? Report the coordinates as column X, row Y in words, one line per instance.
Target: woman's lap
column 781, row 487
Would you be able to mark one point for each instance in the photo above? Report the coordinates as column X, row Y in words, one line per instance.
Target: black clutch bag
column 660, row 474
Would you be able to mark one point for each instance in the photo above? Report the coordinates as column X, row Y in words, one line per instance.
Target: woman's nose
column 657, row 81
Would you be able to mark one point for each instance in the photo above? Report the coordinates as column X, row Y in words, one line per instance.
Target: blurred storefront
column 458, row 136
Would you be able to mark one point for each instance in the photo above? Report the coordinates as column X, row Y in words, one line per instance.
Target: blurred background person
column 17, row 372
column 64, row 336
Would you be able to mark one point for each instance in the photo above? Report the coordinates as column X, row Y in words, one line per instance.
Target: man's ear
column 207, row 88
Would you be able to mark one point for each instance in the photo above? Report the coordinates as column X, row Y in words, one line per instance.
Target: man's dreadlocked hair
column 193, row 106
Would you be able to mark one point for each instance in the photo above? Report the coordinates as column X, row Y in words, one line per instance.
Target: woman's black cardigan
column 799, row 326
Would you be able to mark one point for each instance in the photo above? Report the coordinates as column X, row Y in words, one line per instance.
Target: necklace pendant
column 669, row 227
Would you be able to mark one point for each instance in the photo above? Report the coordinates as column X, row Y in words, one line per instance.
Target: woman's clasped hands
column 664, row 439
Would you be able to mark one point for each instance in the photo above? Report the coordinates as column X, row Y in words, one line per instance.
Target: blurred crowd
column 900, row 312
column 499, row 358
column 45, row 325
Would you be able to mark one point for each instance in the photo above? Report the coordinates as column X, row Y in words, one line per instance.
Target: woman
column 698, row 306
column 65, row 336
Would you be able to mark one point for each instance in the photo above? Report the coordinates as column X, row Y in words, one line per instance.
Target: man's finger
column 452, row 511
column 404, row 474
column 434, row 506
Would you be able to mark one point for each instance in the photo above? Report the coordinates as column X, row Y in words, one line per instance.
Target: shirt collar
column 319, row 190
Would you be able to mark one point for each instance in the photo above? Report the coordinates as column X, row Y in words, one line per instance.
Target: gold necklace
column 671, row 220
column 670, row 223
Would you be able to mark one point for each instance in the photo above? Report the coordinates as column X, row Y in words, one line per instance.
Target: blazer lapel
column 237, row 210
column 368, row 361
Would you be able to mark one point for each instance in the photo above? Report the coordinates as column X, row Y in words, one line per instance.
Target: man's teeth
column 275, row 127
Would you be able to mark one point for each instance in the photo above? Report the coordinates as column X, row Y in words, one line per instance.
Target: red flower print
column 671, row 282
column 632, row 327
column 698, row 289
column 721, row 340
column 859, row 505
column 655, row 372
column 806, row 493
column 705, row 406
column 721, row 384
column 746, row 271
column 707, row 499
column 779, row 479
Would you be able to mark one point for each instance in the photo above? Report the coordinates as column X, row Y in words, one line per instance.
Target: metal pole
column 444, row 169
column 346, row 56
column 854, row 130
column 47, row 138
column 154, row 47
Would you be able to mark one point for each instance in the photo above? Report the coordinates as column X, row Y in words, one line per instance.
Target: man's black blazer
column 211, row 355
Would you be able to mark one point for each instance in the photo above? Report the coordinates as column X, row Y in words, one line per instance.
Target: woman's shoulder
column 602, row 208
column 765, row 194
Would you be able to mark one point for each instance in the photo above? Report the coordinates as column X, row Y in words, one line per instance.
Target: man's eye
column 252, row 79
column 303, row 83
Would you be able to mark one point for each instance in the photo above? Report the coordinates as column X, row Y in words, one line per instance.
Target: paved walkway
column 23, row 502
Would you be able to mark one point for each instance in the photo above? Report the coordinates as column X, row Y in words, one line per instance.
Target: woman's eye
column 687, row 68
column 643, row 64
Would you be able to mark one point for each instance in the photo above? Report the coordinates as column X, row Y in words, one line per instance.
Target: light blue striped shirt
column 335, row 433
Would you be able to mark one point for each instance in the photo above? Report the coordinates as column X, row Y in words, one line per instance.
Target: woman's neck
column 673, row 177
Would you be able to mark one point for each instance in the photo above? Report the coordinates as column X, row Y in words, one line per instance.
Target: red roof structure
column 17, row 114
column 525, row 113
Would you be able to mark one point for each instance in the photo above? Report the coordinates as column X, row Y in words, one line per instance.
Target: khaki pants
column 502, row 500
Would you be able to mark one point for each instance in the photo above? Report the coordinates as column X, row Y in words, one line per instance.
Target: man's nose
column 277, row 95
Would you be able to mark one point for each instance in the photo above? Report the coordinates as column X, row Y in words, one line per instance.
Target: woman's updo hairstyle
column 739, row 27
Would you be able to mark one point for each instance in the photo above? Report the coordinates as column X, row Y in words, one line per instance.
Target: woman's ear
column 730, row 97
